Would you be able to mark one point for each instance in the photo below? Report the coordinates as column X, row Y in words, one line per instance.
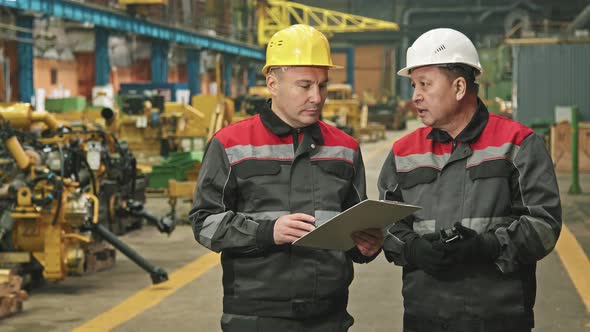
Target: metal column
column 349, row 51
column 101, row 56
column 252, row 75
column 159, row 61
column 193, row 71
column 227, row 74
column 24, row 51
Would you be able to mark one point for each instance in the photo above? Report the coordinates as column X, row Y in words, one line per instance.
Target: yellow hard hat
column 298, row 45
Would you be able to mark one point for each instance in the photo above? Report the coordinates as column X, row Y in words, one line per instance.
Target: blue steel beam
column 101, row 57
column 111, row 19
column 193, row 71
column 252, row 75
column 159, row 61
column 228, row 63
column 349, row 63
column 24, row 60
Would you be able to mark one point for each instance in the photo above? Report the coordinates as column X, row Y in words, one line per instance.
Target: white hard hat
column 441, row 46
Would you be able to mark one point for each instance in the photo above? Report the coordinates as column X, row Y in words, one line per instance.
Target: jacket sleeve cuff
column 357, row 257
column 265, row 234
column 490, row 245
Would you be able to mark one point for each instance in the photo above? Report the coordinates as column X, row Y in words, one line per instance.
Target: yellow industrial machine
column 345, row 111
column 217, row 109
column 50, row 195
column 274, row 15
column 252, row 103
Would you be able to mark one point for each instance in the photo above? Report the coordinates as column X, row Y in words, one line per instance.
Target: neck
column 467, row 109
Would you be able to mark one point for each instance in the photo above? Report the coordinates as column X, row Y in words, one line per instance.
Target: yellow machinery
column 274, row 15
column 218, row 110
column 145, row 132
column 49, row 208
column 344, row 110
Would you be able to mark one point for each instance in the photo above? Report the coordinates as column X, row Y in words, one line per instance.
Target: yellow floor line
column 150, row 296
column 378, row 150
column 576, row 263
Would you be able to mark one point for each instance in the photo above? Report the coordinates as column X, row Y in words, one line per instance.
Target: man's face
column 434, row 96
column 298, row 94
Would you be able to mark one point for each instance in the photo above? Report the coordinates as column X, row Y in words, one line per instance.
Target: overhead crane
column 274, row 15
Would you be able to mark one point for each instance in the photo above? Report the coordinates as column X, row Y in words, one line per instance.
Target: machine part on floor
column 157, row 274
column 164, row 224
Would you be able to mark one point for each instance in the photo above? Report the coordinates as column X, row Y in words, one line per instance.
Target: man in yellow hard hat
column 270, row 179
column 487, row 187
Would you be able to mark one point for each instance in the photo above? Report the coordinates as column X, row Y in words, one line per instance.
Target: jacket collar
column 474, row 128
column 278, row 127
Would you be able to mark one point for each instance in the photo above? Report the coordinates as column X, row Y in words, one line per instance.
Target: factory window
column 53, row 76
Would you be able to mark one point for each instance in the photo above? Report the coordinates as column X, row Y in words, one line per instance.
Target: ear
column 460, row 88
column 272, row 83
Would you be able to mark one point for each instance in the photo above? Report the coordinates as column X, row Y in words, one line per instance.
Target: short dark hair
column 455, row 70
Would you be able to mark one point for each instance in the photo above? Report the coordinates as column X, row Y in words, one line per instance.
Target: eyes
column 307, row 86
column 420, row 84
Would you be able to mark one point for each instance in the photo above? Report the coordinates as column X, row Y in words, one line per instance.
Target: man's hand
column 472, row 248
column 420, row 253
column 291, row 227
column 368, row 241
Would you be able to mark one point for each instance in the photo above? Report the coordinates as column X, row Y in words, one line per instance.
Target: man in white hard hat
column 489, row 197
column 270, row 179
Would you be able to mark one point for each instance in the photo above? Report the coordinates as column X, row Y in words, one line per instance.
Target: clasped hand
column 433, row 255
column 291, row 227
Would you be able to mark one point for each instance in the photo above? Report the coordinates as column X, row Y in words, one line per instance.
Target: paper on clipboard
column 335, row 233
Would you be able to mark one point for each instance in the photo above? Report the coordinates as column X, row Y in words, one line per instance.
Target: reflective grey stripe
column 334, row 152
column 321, row 216
column 506, row 151
column 408, row 163
column 210, row 226
column 480, row 225
column 273, row 152
column 424, row 226
column 544, row 231
column 266, row 215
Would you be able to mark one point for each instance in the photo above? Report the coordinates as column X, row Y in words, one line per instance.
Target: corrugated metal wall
column 548, row 75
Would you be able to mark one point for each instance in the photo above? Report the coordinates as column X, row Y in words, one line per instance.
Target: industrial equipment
column 53, row 180
column 274, row 15
column 345, row 111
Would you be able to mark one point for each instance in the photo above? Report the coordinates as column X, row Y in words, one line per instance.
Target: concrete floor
column 375, row 302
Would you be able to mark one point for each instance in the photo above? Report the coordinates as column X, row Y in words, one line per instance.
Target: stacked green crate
column 174, row 167
column 68, row 104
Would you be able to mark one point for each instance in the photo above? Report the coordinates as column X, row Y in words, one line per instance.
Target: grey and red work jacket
column 496, row 176
column 256, row 171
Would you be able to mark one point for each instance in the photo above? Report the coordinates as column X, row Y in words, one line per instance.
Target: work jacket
column 255, row 171
column 496, row 176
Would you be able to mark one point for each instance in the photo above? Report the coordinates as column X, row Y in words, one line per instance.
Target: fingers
column 291, row 227
column 368, row 241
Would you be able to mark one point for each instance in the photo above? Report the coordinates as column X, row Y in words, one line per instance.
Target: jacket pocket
column 339, row 168
column 421, row 175
column 491, row 169
column 251, row 168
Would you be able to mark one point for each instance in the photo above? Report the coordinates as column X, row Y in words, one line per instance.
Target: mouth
column 421, row 111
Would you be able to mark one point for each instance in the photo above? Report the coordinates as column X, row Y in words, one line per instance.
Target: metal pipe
column 575, row 185
column 157, row 274
column 580, row 20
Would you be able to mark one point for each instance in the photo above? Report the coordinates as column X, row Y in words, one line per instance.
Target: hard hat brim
column 267, row 67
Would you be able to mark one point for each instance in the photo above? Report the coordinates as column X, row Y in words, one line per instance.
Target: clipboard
column 335, row 233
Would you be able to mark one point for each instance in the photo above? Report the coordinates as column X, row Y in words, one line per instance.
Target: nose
column 416, row 96
column 315, row 94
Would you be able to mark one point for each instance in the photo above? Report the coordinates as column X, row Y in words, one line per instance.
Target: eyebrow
column 326, row 81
